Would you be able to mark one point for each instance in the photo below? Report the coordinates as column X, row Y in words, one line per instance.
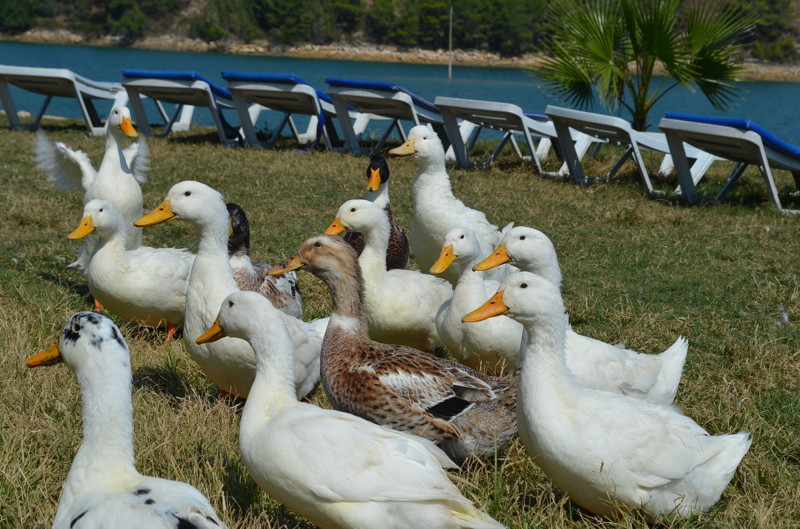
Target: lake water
column 773, row 105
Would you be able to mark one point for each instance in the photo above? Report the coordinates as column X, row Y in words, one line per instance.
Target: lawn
column 637, row 269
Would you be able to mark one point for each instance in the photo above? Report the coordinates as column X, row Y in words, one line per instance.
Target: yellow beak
column 127, row 128
column 292, row 263
column 500, row 256
column 213, row 334
column 162, row 213
column 84, row 228
column 374, row 180
column 493, row 307
column 47, row 357
column 446, row 258
column 336, row 227
column 406, row 149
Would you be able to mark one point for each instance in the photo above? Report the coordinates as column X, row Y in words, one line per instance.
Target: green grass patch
column 637, row 269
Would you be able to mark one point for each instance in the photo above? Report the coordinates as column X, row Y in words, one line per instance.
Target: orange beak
column 406, row 149
column 493, row 307
column 446, row 258
column 163, row 213
column 48, row 357
column 292, row 263
column 85, row 228
column 336, row 227
column 500, row 256
column 213, row 334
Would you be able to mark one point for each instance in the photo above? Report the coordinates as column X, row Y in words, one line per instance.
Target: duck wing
column 66, row 168
column 137, row 156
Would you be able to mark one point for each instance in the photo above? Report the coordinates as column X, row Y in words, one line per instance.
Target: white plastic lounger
column 58, row 82
column 617, row 130
column 186, row 90
column 290, row 95
column 735, row 139
column 509, row 119
column 386, row 100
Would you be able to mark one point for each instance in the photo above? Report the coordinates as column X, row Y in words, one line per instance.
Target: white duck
column 229, row 363
column 146, row 285
column 596, row 364
column 103, row 487
column 436, row 209
column 397, row 252
column 603, row 448
column 283, row 291
column 331, row 467
column 491, row 345
column 117, row 179
column 400, row 305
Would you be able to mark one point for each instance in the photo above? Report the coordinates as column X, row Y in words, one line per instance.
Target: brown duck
column 464, row 411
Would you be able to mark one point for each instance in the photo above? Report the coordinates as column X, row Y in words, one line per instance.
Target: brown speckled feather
column 465, row 411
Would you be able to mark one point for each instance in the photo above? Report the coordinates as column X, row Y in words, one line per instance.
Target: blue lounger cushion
column 770, row 140
column 385, row 87
column 282, row 78
column 177, row 76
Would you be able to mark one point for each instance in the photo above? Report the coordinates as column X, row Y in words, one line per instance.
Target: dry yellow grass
column 636, row 270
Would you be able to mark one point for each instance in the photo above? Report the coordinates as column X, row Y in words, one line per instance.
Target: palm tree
column 614, row 46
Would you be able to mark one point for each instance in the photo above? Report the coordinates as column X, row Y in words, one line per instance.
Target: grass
column 636, row 269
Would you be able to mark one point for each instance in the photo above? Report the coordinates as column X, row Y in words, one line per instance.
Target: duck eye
column 230, row 304
column 317, row 244
column 76, row 327
column 524, row 285
column 522, row 237
column 352, row 210
column 187, row 194
column 461, row 237
column 101, row 210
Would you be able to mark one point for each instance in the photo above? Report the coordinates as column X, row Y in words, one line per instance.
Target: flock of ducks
column 597, row 418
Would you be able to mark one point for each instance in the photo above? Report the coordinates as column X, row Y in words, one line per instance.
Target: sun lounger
column 735, row 139
column 619, row 131
column 58, row 82
column 186, row 90
column 511, row 121
column 387, row 100
column 291, row 96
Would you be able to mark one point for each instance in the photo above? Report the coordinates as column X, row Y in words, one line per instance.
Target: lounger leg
column 738, row 169
column 350, row 136
column 248, row 116
column 459, row 149
column 571, row 159
column 683, row 171
column 138, row 111
column 9, row 106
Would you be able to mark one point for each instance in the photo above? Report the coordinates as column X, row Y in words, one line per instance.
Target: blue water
column 773, row 105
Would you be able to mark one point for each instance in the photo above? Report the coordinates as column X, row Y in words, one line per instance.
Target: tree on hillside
column 612, row 47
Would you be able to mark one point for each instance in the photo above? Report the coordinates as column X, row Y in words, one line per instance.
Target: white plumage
column 400, row 305
column 230, row 363
column 103, row 487
column 117, row 179
column 333, row 468
column 436, row 209
column 146, row 285
column 601, row 447
column 596, row 364
column 491, row 345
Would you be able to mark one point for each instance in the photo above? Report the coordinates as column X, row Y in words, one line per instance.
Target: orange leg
column 98, row 307
column 171, row 327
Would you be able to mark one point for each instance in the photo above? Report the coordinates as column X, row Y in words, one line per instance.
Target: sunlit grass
column 636, row 270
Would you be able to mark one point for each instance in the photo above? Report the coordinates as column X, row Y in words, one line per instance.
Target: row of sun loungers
column 687, row 144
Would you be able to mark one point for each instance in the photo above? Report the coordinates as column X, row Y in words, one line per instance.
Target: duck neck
column 381, row 196
column 432, row 182
column 543, row 359
column 274, row 385
column 376, row 244
column 347, row 293
column 114, row 156
column 107, row 422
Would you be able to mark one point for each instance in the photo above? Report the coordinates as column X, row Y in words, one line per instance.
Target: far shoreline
column 752, row 70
